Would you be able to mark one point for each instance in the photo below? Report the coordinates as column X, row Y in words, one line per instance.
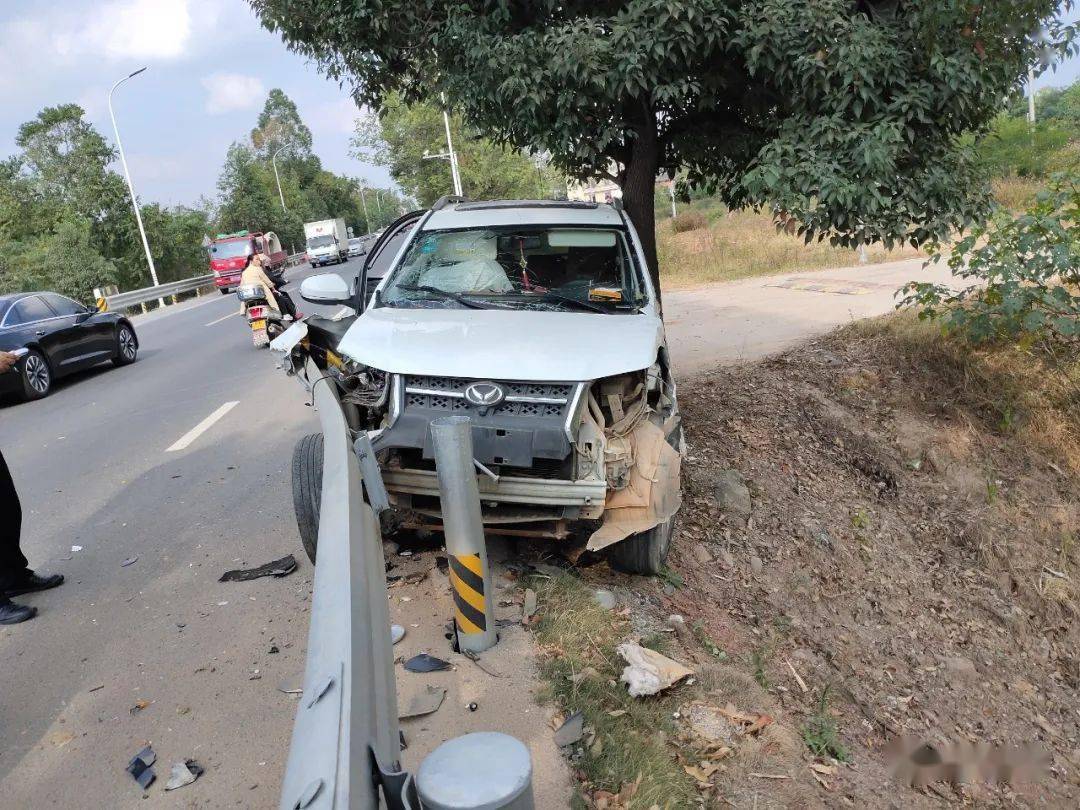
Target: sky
column 211, row 65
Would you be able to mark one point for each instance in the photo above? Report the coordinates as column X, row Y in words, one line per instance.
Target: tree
column 401, row 134
column 844, row 114
column 1015, row 147
column 1025, row 272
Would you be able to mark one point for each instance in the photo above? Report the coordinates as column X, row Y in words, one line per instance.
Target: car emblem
column 485, row 394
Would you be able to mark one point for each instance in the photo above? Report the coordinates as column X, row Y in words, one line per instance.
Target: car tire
column 35, row 376
column 127, row 346
column 307, row 469
column 223, row 290
column 643, row 553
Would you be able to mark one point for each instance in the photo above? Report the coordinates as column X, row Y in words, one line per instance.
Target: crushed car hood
column 503, row 344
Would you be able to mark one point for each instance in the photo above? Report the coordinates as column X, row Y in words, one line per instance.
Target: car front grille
column 522, row 398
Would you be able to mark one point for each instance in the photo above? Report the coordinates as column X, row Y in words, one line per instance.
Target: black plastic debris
column 278, row 568
column 426, row 663
column 129, row 561
column 140, row 767
column 183, row 773
column 472, row 707
column 423, row 703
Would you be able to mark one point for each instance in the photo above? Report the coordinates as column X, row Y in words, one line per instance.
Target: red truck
column 229, row 252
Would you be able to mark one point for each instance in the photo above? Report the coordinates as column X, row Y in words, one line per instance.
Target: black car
column 61, row 336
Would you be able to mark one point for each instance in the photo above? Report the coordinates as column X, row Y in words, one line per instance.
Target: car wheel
column 307, row 467
column 36, row 376
column 643, row 553
column 223, row 290
column 127, row 346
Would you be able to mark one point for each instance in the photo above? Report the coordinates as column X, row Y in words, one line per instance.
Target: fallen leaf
column 140, row 704
column 760, row 723
column 828, row 770
column 616, row 713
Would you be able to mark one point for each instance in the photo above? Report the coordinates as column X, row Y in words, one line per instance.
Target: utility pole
column 277, row 179
column 363, row 200
column 130, row 185
column 1031, row 96
column 450, row 150
column 671, row 191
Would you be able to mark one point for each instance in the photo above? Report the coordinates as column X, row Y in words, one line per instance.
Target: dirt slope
column 907, row 549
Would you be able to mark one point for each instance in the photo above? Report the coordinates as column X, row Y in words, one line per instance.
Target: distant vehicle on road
column 358, row 246
column 229, row 252
column 60, row 336
column 327, row 242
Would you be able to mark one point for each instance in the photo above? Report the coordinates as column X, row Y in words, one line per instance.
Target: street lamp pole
column 131, row 186
column 277, row 179
column 450, row 150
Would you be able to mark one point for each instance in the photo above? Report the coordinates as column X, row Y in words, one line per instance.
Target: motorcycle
column 266, row 322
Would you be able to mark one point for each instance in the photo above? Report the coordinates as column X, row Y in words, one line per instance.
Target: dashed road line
column 223, row 318
column 200, row 428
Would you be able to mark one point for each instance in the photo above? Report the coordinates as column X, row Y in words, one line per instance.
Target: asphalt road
column 94, row 469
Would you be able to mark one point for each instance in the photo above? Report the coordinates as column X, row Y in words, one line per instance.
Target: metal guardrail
column 134, row 297
column 295, row 259
column 345, row 740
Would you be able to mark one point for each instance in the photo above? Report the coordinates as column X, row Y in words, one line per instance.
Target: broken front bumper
column 533, row 491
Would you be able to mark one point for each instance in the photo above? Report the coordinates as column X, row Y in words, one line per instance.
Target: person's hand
column 7, row 361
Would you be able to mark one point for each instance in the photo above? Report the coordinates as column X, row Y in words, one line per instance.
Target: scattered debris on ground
column 141, row 767
column 183, row 773
column 276, row 568
column 424, row 702
column 647, row 671
column 423, row 662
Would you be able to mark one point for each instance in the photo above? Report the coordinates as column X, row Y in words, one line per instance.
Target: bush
column 690, row 221
column 1026, row 271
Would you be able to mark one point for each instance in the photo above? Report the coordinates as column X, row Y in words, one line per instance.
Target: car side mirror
column 325, row 288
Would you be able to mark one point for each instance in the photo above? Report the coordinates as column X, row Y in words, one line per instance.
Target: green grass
column 820, row 732
column 574, row 633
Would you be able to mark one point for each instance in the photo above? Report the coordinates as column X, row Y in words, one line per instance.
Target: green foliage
column 846, row 115
column 1026, row 274
column 64, row 261
column 1014, row 147
column 248, row 190
column 401, row 134
column 821, row 734
column 65, row 216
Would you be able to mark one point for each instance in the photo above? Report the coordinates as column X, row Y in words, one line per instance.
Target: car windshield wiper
column 426, row 288
column 577, row 302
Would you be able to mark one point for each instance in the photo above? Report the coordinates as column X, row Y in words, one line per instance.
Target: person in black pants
column 15, row 575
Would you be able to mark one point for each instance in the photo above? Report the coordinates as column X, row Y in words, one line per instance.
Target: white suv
column 539, row 322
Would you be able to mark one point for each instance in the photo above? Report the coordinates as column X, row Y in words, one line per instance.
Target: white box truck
column 327, row 242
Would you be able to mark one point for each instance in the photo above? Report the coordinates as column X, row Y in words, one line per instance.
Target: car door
column 88, row 335
column 36, row 323
column 381, row 255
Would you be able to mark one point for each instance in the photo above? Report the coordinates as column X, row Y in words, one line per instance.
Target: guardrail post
column 459, row 495
column 486, row 770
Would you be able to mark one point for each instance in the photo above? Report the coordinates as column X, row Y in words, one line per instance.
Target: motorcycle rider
column 254, row 274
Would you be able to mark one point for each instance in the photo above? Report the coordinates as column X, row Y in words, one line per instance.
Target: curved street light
column 131, row 186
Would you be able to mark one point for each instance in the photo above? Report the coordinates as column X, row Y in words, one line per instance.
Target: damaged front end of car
column 597, row 460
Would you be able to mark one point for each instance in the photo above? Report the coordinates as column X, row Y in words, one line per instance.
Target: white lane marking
column 201, row 428
column 224, row 318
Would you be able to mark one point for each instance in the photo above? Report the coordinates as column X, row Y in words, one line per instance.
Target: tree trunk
column 638, row 179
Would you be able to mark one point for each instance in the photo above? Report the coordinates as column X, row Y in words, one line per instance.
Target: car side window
column 28, row 310
column 64, row 305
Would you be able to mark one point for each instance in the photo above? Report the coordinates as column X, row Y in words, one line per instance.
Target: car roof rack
column 487, row 205
column 445, row 200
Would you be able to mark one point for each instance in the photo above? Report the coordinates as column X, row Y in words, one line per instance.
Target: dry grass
column 1031, row 393
column 739, row 244
column 1016, row 193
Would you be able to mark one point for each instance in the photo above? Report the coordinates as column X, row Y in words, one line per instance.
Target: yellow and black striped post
column 459, row 495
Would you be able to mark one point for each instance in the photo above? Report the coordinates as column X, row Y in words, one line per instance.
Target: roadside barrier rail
column 142, row 296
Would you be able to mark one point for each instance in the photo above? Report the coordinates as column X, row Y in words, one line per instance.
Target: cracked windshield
column 536, row 268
